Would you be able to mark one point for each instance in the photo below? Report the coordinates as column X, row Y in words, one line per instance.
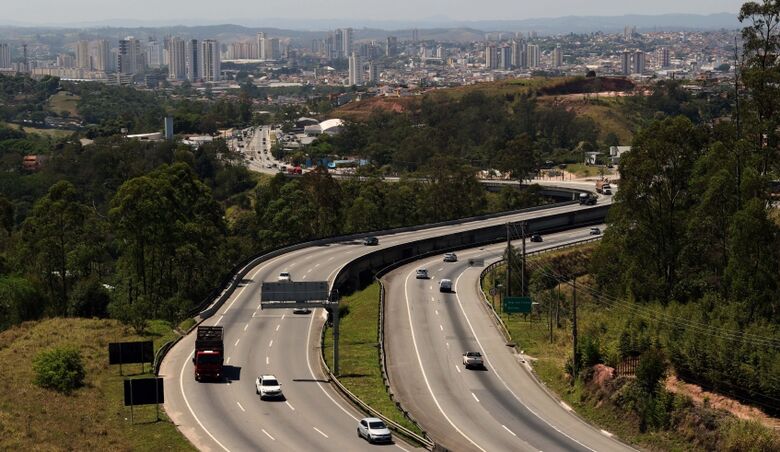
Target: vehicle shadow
column 231, row 373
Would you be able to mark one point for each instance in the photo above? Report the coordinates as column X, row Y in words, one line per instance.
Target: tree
column 57, row 226
column 59, row 369
column 650, row 370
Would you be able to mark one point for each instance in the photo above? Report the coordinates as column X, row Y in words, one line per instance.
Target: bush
column 59, row 369
column 650, row 370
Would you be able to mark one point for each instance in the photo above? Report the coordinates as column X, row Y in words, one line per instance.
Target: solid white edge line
column 606, row 433
column 189, row 407
column 320, row 432
column 422, row 369
column 495, row 372
column 565, row 406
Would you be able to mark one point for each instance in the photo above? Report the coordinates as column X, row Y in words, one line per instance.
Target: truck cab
column 209, row 353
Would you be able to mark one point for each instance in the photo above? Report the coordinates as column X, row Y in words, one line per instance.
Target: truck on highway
column 587, row 199
column 602, row 186
column 209, row 353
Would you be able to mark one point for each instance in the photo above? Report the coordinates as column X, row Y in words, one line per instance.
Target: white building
column 355, row 69
column 177, row 59
column 83, row 60
column 102, row 60
column 533, row 55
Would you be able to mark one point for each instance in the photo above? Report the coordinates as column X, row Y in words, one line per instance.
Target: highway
column 229, row 416
column 501, row 407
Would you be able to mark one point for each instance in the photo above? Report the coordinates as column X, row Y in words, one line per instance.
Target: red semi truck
column 209, row 353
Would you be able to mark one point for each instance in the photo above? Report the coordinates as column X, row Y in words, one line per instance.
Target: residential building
column 373, row 73
column 533, row 56
column 5, row 56
column 355, row 69
column 177, row 59
column 102, row 59
column 491, row 57
column 625, row 62
column 557, row 57
column 391, row 48
column 505, row 58
column 212, row 63
column 83, row 61
column 130, row 59
column 663, row 58
column 639, row 62
column 154, row 54
column 519, row 59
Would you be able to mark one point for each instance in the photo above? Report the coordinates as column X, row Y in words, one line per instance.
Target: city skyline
column 91, row 11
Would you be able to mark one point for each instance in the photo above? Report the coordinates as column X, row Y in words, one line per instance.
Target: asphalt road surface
column 229, row 416
column 500, row 407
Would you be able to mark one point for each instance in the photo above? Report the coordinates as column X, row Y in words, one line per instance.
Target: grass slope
column 360, row 369
column 93, row 417
column 64, row 101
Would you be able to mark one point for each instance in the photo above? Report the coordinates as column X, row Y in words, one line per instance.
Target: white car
column 284, row 276
column 445, row 285
column 422, row 273
column 374, row 430
column 473, row 359
column 268, row 387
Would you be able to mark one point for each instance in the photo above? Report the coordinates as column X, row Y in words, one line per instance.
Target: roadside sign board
column 130, row 352
column 295, row 291
column 516, row 305
column 144, row 391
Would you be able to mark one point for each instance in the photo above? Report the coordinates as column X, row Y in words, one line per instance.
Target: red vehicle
column 294, row 170
column 209, row 353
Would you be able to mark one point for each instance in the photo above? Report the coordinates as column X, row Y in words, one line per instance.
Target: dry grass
column 64, row 101
column 93, row 417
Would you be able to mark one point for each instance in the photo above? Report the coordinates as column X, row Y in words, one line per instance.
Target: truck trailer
column 209, row 353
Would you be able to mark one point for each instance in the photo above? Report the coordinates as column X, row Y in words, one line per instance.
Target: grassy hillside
column 93, row 417
column 64, row 102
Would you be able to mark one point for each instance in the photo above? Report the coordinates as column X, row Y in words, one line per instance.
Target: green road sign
column 516, row 305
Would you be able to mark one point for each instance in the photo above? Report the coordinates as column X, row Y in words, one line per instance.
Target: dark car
column 536, row 238
column 371, row 241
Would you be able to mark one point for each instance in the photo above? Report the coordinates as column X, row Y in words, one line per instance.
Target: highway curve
column 229, row 416
column 499, row 408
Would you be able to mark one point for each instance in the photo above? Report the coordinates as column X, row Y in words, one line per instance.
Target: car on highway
column 473, row 360
column 301, row 310
column 374, row 430
column 450, row 257
column 371, row 241
column 268, row 387
column 595, row 231
column 422, row 273
column 537, row 238
column 284, row 276
column 445, row 285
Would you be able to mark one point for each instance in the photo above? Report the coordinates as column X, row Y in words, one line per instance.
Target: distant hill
column 443, row 29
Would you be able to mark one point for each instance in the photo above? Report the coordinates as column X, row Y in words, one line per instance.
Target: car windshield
column 284, row 274
column 270, row 382
column 473, row 354
column 376, row 425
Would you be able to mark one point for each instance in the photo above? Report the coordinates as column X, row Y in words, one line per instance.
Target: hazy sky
column 245, row 11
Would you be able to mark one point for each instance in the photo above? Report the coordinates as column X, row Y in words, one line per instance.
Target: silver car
column 374, row 430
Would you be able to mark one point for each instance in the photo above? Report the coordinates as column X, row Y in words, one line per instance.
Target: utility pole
column 508, row 262
column 574, row 327
column 522, row 275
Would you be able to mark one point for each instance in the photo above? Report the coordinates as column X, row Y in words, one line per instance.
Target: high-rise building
column 519, row 55
column 355, row 69
column 533, row 56
column 102, row 56
column 415, row 35
column 177, row 59
column 343, row 42
column 663, row 57
column 272, row 51
column 348, row 42
column 391, row 49
column 82, row 55
column 212, row 63
column 193, row 58
column 373, row 72
column 625, row 62
column 261, row 45
column 441, row 52
column 491, row 57
column 505, row 57
column 130, row 59
column 154, row 54
column 639, row 62
column 557, row 57
column 5, row 56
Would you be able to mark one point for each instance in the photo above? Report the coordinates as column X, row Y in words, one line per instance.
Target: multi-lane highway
column 501, row 407
column 229, row 416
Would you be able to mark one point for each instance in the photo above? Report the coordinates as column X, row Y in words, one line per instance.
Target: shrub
column 59, row 369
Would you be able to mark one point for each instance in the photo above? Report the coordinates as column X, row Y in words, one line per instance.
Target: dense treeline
column 694, row 235
column 22, row 98
column 140, row 230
